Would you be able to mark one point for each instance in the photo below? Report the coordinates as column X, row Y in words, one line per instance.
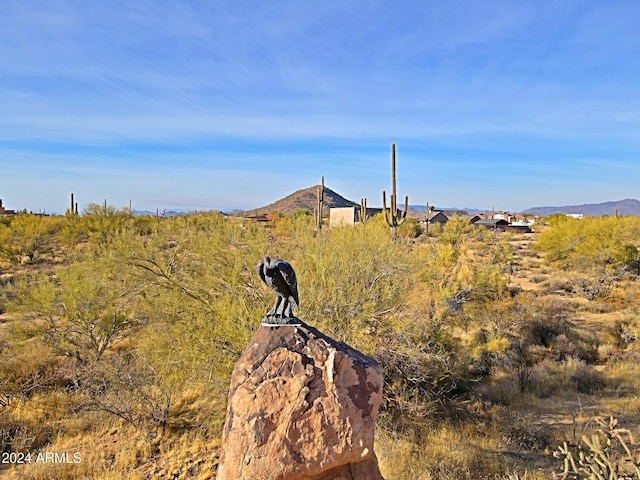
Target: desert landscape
column 505, row 355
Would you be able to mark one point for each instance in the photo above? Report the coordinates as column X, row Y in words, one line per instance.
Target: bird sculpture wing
column 289, row 276
column 260, row 268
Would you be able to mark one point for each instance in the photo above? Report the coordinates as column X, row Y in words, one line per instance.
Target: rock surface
column 301, row 407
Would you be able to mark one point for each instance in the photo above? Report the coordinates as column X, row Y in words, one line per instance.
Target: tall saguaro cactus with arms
column 391, row 216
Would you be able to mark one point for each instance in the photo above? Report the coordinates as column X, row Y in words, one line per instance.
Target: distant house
column 4, row 211
column 492, row 223
column 342, row 216
column 508, row 216
column 262, row 218
column 437, row 217
column 520, row 227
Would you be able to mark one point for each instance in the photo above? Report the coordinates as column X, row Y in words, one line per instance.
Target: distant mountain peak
column 304, row 199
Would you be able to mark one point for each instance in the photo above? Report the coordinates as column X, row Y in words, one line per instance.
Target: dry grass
column 443, row 452
column 463, row 451
column 121, row 452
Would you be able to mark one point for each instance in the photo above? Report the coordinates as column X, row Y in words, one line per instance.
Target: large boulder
column 301, row 407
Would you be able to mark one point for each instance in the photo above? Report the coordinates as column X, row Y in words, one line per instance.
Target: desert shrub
column 525, row 318
column 521, row 432
column 456, row 269
column 545, row 379
column 99, row 225
column 499, row 388
column 301, row 213
column 102, row 223
column 585, row 379
column 568, row 377
column 422, row 377
column 631, row 292
column 410, row 228
column 517, row 341
column 26, row 368
column 575, row 344
column 85, row 314
column 352, row 281
column 199, row 301
column 596, row 285
column 22, row 435
column 24, row 371
column 627, row 331
column 31, row 423
column 456, row 231
column 130, row 388
column 434, row 230
column 28, row 237
column 558, row 283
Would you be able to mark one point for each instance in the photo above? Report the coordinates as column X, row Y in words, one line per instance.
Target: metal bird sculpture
column 281, row 278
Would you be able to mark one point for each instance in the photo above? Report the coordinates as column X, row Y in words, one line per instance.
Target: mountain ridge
column 626, row 207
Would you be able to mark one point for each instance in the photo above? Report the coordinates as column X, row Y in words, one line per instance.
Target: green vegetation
column 588, row 244
column 27, row 237
column 119, row 334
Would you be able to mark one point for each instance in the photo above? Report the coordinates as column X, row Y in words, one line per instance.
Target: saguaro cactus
column 426, row 218
column 391, row 217
column 74, row 207
column 319, row 205
column 362, row 213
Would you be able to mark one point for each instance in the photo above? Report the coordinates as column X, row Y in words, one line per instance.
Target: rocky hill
column 623, row 207
column 305, row 199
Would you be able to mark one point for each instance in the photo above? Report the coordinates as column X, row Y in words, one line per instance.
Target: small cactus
column 391, row 217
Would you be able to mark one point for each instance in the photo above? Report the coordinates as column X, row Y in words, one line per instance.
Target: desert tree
column 83, row 308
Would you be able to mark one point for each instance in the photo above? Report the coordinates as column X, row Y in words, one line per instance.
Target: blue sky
column 219, row 105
